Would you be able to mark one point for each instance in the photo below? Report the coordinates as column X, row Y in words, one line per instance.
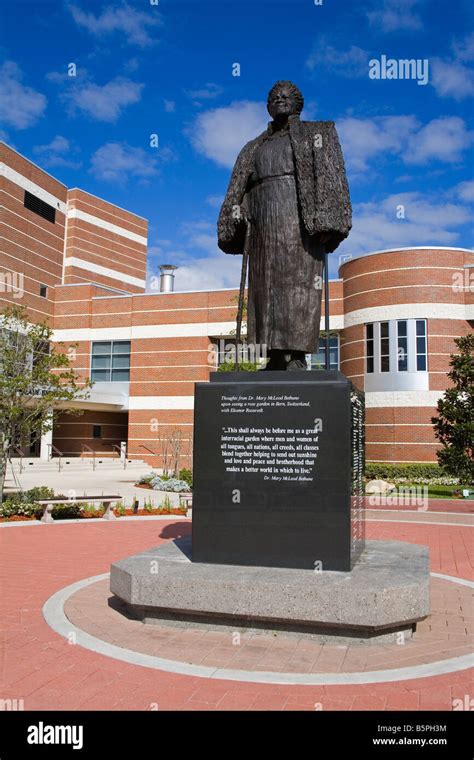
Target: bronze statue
column 287, row 204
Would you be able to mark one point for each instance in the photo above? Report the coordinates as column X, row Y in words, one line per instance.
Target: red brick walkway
column 40, row 667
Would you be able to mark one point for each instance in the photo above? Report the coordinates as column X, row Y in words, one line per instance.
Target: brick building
column 79, row 262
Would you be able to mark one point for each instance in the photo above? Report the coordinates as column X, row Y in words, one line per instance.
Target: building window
column 402, row 346
column 110, row 361
column 318, row 360
column 421, row 350
column 43, row 291
column 369, row 347
column 396, row 350
column 97, row 431
column 35, row 204
column 384, row 347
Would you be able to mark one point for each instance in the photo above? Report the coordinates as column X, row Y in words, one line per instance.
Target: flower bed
column 24, row 507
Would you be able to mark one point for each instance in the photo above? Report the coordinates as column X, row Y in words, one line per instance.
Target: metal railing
column 88, row 448
column 121, row 452
column 150, row 451
column 60, row 454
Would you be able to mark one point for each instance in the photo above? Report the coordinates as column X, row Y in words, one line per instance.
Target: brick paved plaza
column 49, row 672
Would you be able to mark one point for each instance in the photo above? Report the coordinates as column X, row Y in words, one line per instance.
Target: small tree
column 454, row 425
column 34, row 378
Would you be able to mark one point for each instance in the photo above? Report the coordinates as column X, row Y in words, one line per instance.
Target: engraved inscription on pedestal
column 274, row 480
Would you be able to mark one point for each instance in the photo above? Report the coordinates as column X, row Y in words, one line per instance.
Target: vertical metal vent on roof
column 35, row 204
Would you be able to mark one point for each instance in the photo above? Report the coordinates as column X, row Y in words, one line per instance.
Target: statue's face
column 282, row 103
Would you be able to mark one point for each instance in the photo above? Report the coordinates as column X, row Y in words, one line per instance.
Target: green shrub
column 243, row 367
column 187, row 476
column 71, row 511
column 166, row 504
column 413, row 472
column 29, row 497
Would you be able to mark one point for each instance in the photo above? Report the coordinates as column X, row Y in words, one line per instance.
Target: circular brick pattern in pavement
column 441, row 644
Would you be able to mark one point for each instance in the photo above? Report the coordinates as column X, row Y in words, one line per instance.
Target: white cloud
column 208, row 92
column 452, row 79
column 464, row 49
column 207, row 272
column 220, row 133
column 442, row 139
column 117, row 162
column 429, row 220
column 106, row 102
column 350, row 63
column 20, row 105
column 58, row 152
column 465, row 191
column 395, row 15
column 169, row 106
column 134, row 24
column 365, row 139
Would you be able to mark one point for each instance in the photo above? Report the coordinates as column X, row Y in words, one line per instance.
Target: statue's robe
column 292, row 186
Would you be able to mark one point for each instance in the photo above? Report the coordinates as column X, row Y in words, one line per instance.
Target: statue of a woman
column 290, row 186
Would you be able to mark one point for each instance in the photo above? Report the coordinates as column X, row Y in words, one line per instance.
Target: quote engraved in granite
column 274, row 452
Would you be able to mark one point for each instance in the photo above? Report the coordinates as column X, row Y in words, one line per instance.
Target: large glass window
column 421, row 350
column 318, row 360
column 110, row 361
column 402, row 346
column 369, row 347
column 384, row 347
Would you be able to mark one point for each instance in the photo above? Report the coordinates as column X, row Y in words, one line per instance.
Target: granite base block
column 387, row 592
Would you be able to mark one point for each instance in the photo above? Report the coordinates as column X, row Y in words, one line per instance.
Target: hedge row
column 411, row 470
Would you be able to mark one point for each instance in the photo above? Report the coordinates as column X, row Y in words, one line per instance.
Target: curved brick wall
column 405, row 284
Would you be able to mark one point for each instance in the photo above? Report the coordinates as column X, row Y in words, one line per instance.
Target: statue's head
column 284, row 99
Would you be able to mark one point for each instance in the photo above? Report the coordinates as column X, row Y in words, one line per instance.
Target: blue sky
column 145, row 67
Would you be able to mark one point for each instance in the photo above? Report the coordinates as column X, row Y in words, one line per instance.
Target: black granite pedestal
column 278, row 537
column 278, row 470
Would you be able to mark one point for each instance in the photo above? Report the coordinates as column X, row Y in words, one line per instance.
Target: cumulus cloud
column 103, row 102
column 118, row 162
column 136, row 26
column 202, row 266
column 443, row 139
column 208, row 92
column 395, row 16
column 450, row 77
column 350, row 63
column 220, row 133
column 59, row 152
column 365, row 140
column 465, row 191
column 428, row 220
column 20, row 106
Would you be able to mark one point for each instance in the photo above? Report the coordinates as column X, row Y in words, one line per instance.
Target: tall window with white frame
column 402, row 346
column 421, row 346
column 385, row 347
column 110, row 361
column 369, row 348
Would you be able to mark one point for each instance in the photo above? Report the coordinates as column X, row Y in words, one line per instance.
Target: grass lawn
column 441, row 492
